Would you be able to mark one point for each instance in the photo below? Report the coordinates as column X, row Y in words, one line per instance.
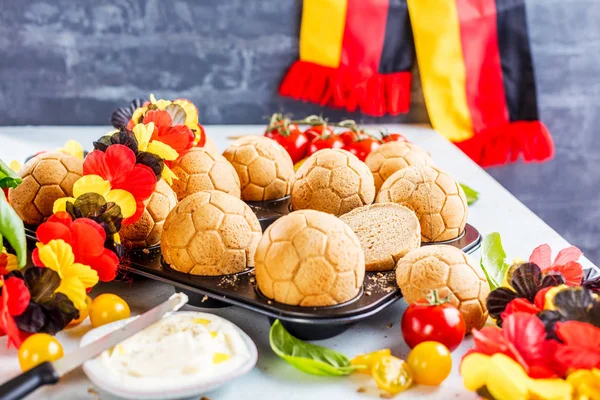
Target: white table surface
column 272, row 378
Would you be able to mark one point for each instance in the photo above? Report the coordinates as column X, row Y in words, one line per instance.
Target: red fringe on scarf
column 507, row 143
column 374, row 94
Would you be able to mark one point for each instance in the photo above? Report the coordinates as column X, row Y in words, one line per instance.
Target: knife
column 48, row 373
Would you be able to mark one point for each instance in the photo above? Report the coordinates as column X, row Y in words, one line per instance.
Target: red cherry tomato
column 433, row 320
column 393, row 137
column 349, row 136
column 325, row 142
column 291, row 138
column 317, row 131
column 362, row 146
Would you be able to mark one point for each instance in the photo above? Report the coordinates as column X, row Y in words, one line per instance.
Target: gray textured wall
column 72, row 62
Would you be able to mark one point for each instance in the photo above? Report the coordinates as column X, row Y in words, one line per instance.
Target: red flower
column 565, row 263
column 86, row 238
column 14, row 299
column 581, row 348
column 118, row 166
column 520, row 305
column 522, row 338
column 179, row 137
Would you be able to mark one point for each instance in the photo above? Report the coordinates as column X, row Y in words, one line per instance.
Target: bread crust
column 437, row 199
column 453, row 273
column 309, row 258
column 386, row 231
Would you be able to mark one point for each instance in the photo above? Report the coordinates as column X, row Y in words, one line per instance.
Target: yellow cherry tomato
column 108, row 308
column 430, row 363
column 391, row 374
column 369, row 360
column 83, row 313
column 39, row 348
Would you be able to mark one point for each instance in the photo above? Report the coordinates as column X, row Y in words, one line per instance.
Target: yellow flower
column 11, row 261
column 549, row 297
column 506, row 379
column 73, row 148
column 138, row 113
column 143, row 135
column 585, row 383
column 191, row 113
column 95, row 184
column 15, row 165
column 161, row 103
column 75, row 278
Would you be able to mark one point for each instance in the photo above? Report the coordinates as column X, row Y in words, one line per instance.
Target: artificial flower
column 86, row 238
column 95, row 184
column 525, row 282
column 500, row 377
column 118, row 166
column 566, row 263
column 58, row 256
column 570, row 304
column 178, row 136
column 8, row 262
column 14, row 298
column 585, row 384
column 15, row 166
column 121, row 116
column 144, row 136
column 580, row 348
column 73, row 148
column 523, row 338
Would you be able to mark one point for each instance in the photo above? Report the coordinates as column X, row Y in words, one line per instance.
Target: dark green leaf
column 124, row 136
column 42, row 282
column 152, row 161
column 527, row 280
column 497, row 301
column 121, row 116
column 8, row 177
column 306, row 357
column 50, row 317
column 472, row 195
column 493, row 260
column 12, row 229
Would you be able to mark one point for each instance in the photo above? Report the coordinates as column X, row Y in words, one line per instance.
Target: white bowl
column 98, row 373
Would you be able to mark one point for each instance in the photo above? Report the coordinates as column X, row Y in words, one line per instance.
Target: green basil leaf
column 12, row 229
column 493, row 260
column 306, row 357
column 472, row 194
column 8, row 177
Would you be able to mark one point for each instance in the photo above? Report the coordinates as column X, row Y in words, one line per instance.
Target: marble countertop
column 496, row 211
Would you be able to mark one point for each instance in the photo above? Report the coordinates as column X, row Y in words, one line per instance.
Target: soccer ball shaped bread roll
column 47, row 177
column 453, row 273
column 200, row 169
column 147, row 230
column 437, row 199
column 210, row 233
column 333, row 181
column 386, row 231
column 309, row 258
column 393, row 156
column 264, row 167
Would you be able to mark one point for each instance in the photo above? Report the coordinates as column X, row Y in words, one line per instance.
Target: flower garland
column 547, row 343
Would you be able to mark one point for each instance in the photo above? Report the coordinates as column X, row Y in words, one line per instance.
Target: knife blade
column 49, row 373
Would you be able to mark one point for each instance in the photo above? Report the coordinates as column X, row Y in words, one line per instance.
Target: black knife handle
column 20, row 386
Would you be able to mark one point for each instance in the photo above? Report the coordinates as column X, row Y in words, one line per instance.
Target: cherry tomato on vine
column 369, row 359
column 430, row 363
column 325, row 142
column 293, row 140
column 316, row 131
column 392, row 374
column 349, row 136
column 393, row 137
column 362, row 146
column 108, row 308
column 39, row 348
column 432, row 319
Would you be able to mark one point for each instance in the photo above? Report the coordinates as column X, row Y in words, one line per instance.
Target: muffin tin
column 310, row 323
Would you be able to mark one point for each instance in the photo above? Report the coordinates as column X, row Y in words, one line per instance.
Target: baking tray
column 309, row 323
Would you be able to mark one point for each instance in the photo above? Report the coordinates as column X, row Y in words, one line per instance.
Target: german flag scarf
column 474, row 60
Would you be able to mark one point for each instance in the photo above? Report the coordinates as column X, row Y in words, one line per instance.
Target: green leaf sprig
column 306, row 357
column 8, row 177
column 12, row 229
column 493, row 260
column 472, row 194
